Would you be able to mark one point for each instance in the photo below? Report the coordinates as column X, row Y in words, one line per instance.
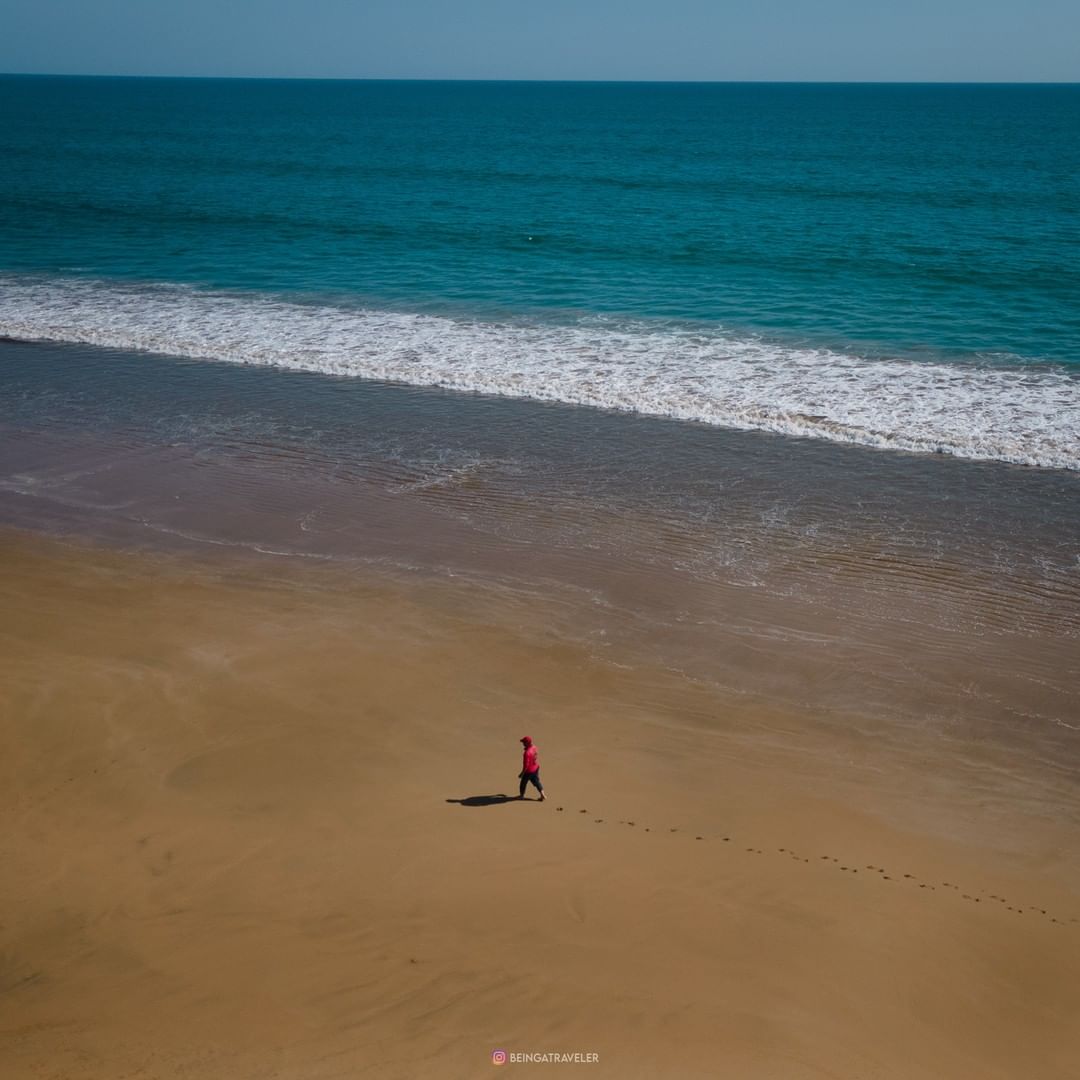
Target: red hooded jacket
column 530, row 760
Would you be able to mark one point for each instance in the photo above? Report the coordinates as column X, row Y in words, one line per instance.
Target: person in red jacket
column 530, row 768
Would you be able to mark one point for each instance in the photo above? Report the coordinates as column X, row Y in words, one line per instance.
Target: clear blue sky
column 936, row 40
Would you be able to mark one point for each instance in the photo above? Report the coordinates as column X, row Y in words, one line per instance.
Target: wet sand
column 903, row 595
column 253, row 829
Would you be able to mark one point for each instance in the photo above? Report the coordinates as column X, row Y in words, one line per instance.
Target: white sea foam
column 1024, row 414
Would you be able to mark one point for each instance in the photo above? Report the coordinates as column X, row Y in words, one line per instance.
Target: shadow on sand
column 486, row 800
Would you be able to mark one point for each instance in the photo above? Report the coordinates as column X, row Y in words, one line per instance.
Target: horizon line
column 599, row 82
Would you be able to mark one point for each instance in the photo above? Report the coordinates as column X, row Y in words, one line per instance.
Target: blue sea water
column 894, row 265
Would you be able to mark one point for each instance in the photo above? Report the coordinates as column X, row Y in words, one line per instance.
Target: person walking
column 530, row 768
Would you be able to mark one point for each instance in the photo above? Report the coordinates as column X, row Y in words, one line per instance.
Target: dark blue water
column 891, row 265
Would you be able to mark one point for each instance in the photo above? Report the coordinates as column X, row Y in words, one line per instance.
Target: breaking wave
column 1025, row 414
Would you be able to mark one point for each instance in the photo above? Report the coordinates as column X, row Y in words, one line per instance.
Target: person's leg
column 535, row 778
column 521, row 786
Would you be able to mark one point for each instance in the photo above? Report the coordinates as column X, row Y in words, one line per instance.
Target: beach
column 722, row 438
column 248, row 838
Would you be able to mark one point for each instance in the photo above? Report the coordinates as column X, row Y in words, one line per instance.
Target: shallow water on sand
column 900, row 595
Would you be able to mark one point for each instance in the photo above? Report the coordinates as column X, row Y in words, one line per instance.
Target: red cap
column 526, row 740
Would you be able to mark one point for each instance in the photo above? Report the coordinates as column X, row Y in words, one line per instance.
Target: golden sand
column 229, row 852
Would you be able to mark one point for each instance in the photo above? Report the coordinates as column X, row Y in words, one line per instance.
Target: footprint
column 828, row 858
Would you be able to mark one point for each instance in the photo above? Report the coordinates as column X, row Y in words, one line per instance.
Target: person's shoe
column 542, row 797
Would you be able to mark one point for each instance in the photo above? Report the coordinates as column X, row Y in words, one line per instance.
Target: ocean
column 890, row 265
column 778, row 384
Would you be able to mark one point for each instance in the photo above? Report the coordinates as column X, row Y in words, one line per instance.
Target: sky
column 721, row 40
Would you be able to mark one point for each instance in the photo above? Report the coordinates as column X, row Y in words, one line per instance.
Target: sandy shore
column 245, row 837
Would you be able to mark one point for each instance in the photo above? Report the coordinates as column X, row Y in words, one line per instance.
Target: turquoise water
column 890, row 265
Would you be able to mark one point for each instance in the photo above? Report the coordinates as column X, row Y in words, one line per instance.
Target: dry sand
column 229, row 853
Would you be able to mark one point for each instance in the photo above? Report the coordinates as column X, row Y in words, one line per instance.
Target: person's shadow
column 485, row 800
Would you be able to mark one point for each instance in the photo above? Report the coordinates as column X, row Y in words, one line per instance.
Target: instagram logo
column 498, row 1057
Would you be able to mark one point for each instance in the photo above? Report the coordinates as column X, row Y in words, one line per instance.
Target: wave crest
column 1027, row 415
